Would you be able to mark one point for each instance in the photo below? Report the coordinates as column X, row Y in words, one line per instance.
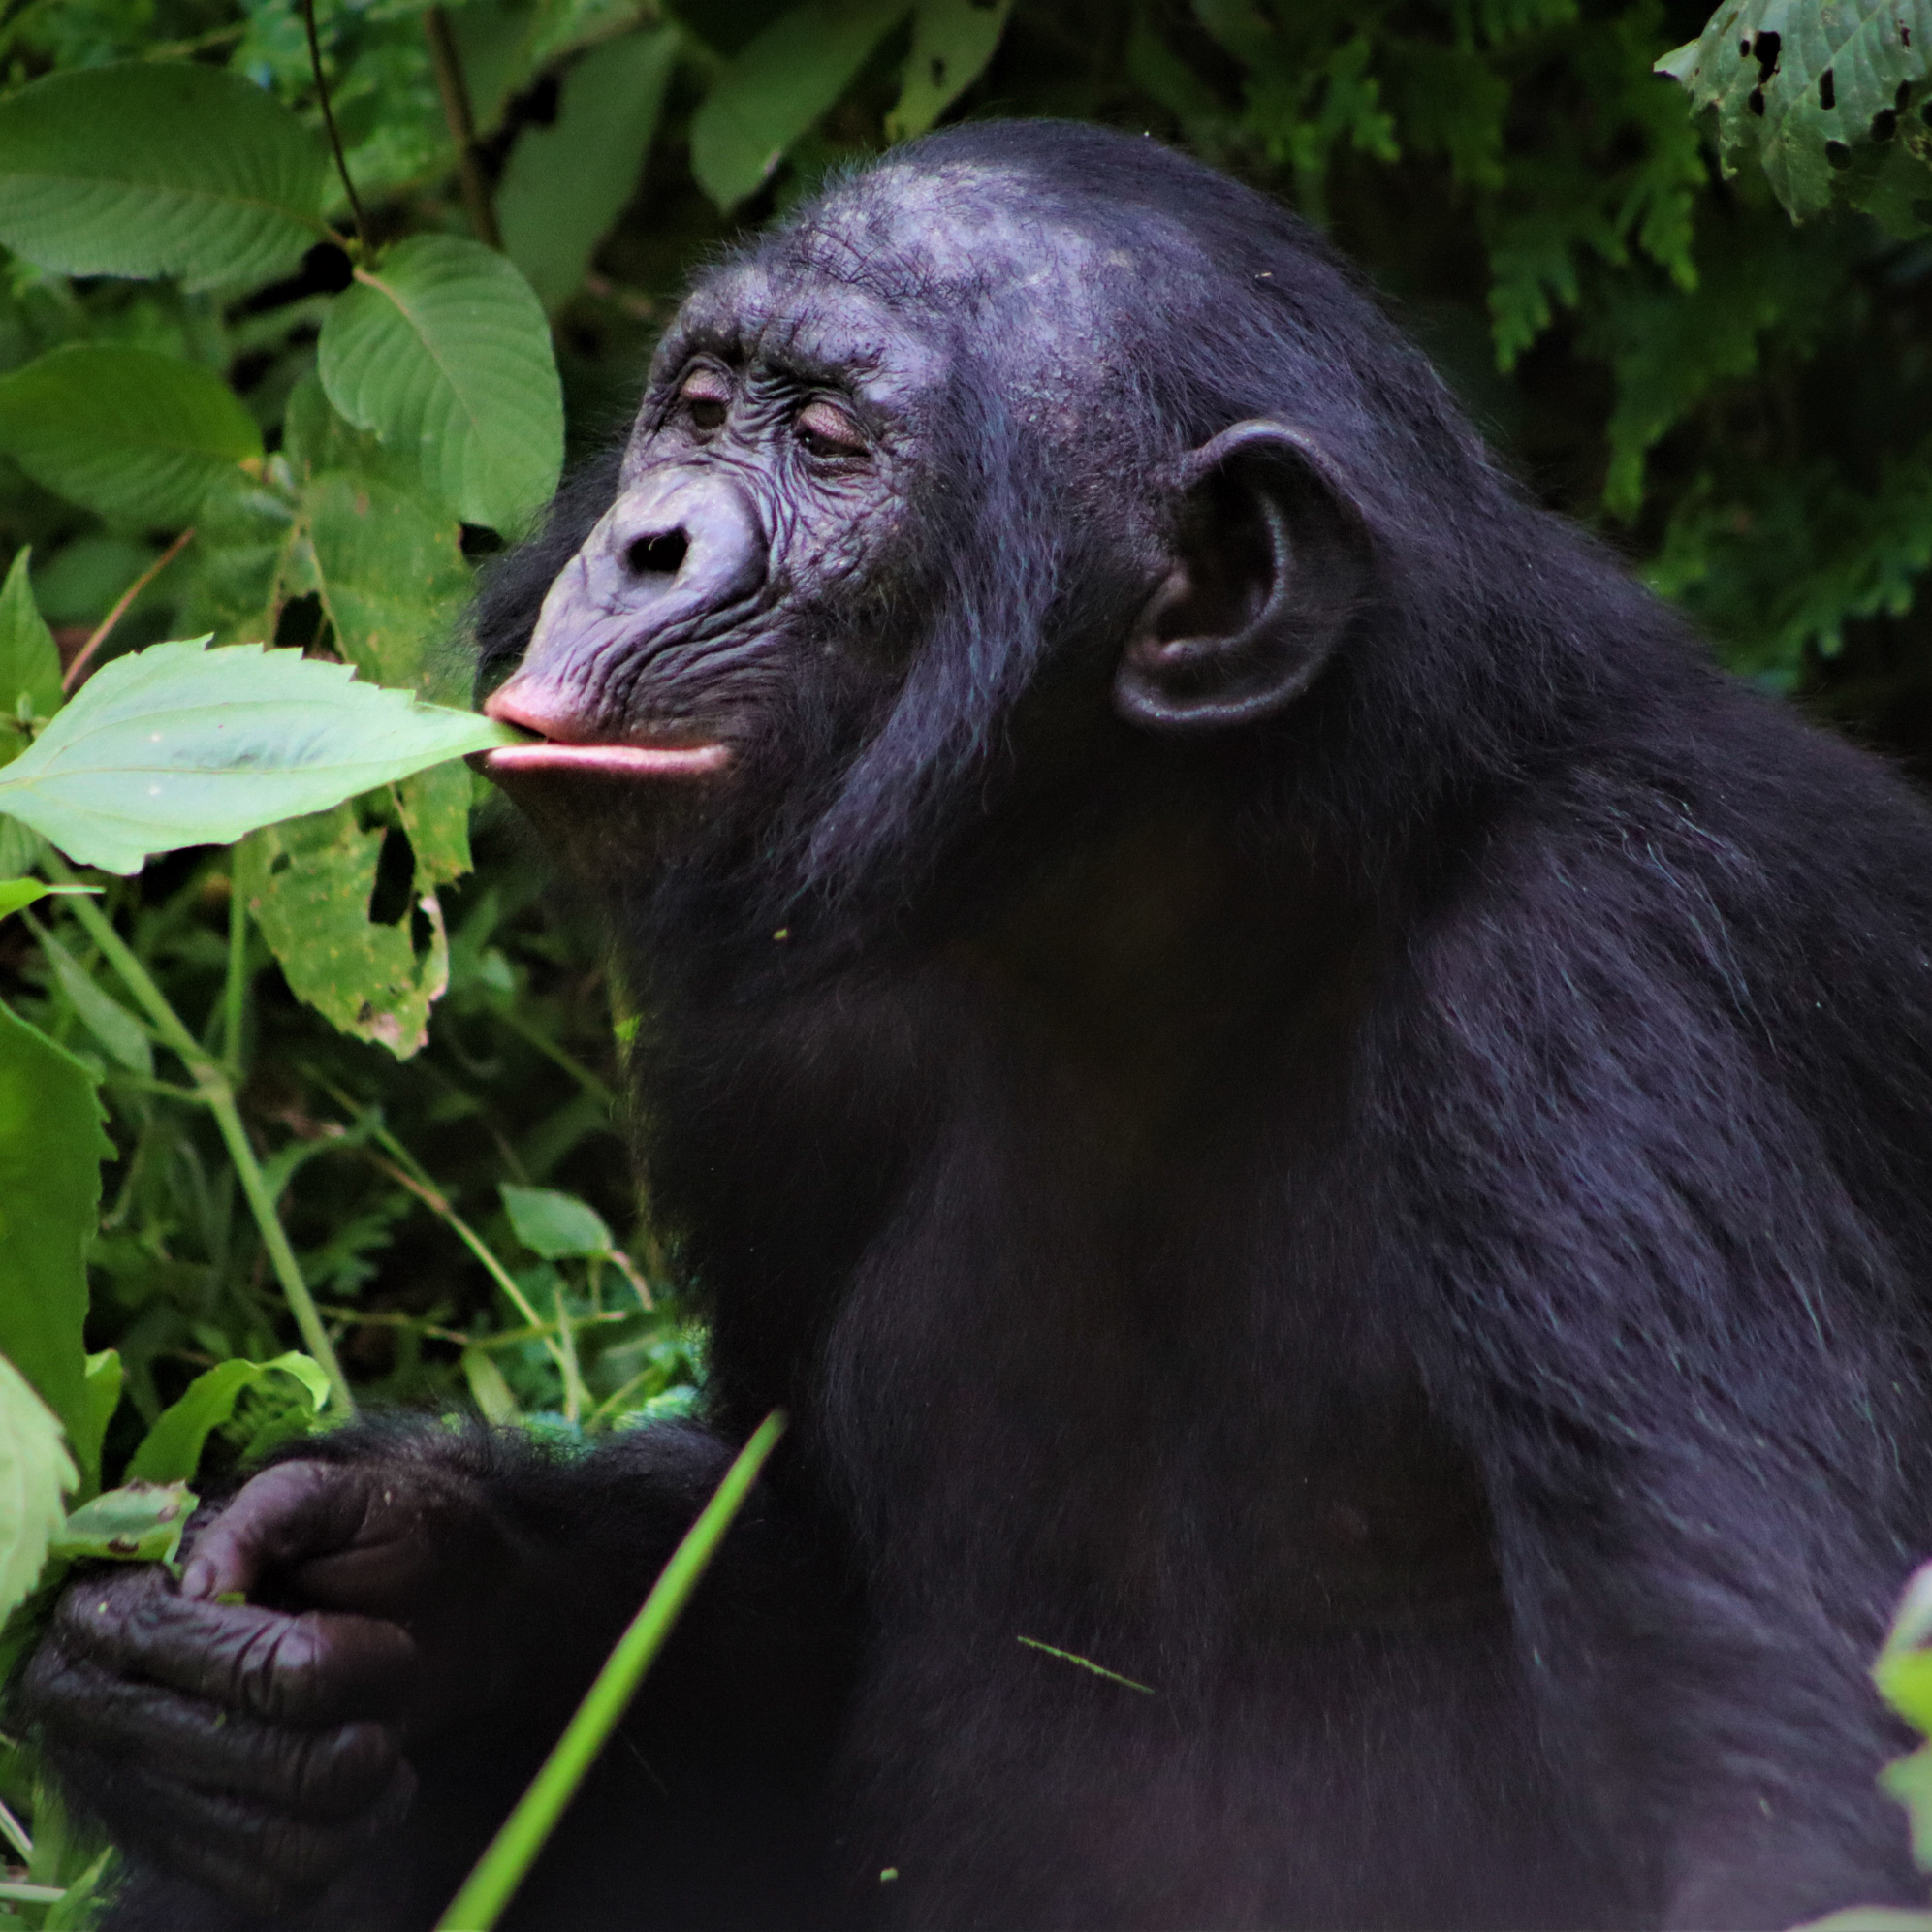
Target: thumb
column 286, row 1514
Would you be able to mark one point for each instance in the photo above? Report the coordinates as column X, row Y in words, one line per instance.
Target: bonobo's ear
column 1270, row 560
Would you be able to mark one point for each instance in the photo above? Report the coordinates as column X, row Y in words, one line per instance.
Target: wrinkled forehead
column 882, row 280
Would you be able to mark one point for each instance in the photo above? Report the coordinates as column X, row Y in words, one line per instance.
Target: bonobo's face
column 889, row 461
column 744, row 614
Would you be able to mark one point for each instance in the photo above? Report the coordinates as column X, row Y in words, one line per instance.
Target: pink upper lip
column 558, row 752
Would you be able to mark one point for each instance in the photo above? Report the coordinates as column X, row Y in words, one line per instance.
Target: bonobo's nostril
column 661, row 556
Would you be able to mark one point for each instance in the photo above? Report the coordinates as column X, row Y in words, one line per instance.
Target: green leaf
column 102, row 1388
column 15, row 894
column 35, row 1469
column 172, row 1450
column 157, row 169
column 181, row 745
column 390, row 576
column 778, row 87
column 434, row 809
column 566, row 184
column 137, row 436
column 51, row 1151
column 316, row 439
column 1812, row 89
column 492, row 1393
column 952, row 40
column 554, row 1224
column 119, row 1034
column 29, row 657
column 248, row 560
column 308, row 886
column 443, row 350
column 141, row 1522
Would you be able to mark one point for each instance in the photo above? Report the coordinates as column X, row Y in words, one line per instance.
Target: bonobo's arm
column 425, row 1607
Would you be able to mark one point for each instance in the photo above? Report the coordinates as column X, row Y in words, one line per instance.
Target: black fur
column 1403, row 1229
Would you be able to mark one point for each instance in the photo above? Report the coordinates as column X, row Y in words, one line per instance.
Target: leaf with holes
column 307, row 885
column 952, row 40
column 154, row 167
column 390, row 574
column 1821, row 93
column 138, row 437
column 181, row 745
column 442, row 350
column 783, row 81
column 566, row 184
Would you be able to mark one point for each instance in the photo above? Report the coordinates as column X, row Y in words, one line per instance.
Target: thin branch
column 76, row 671
column 335, row 136
column 461, row 123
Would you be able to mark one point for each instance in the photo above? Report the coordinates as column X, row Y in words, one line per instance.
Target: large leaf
column 776, row 89
column 308, row 886
column 1813, row 87
column 443, row 350
column 34, row 1469
column 952, row 40
column 51, row 1151
column 181, row 745
column 153, row 169
column 567, row 183
column 138, row 437
column 390, row 576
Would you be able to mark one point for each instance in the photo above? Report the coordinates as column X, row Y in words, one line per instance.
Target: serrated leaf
column 150, row 168
column 1812, row 91
column 442, row 349
column 29, row 657
column 308, row 886
column 566, row 184
column 141, row 1522
column 554, row 1224
column 390, row 576
column 50, row 1150
column 182, row 746
column 137, row 436
column 172, row 1450
column 778, row 87
column 952, row 40
column 35, row 1470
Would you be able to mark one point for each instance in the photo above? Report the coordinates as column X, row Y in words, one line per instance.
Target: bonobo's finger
column 255, row 1855
column 286, row 1513
column 331, row 1773
column 321, row 1668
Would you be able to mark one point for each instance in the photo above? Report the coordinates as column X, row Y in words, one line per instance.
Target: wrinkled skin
column 1298, row 1101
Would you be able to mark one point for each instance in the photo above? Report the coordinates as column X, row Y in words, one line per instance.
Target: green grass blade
column 511, row 1853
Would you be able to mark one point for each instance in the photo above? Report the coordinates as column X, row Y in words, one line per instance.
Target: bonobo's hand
column 259, row 1749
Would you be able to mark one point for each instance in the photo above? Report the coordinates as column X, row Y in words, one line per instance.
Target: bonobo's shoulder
column 1708, row 832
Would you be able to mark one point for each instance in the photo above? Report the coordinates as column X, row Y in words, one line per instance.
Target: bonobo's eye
column 706, row 394
column 827, row 430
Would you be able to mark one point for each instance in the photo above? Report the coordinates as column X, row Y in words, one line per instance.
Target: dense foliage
column 352, row 1099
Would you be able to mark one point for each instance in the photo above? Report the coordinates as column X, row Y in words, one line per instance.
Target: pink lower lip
column 636, row 761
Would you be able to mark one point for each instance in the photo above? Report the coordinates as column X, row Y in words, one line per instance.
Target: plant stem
column 234, row 987
column 218, row 1094
column 335, row 138
column 461, row 123
column 490, row 1888
column 82, row 658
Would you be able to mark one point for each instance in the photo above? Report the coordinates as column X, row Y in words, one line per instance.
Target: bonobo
column 1300, row 1100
